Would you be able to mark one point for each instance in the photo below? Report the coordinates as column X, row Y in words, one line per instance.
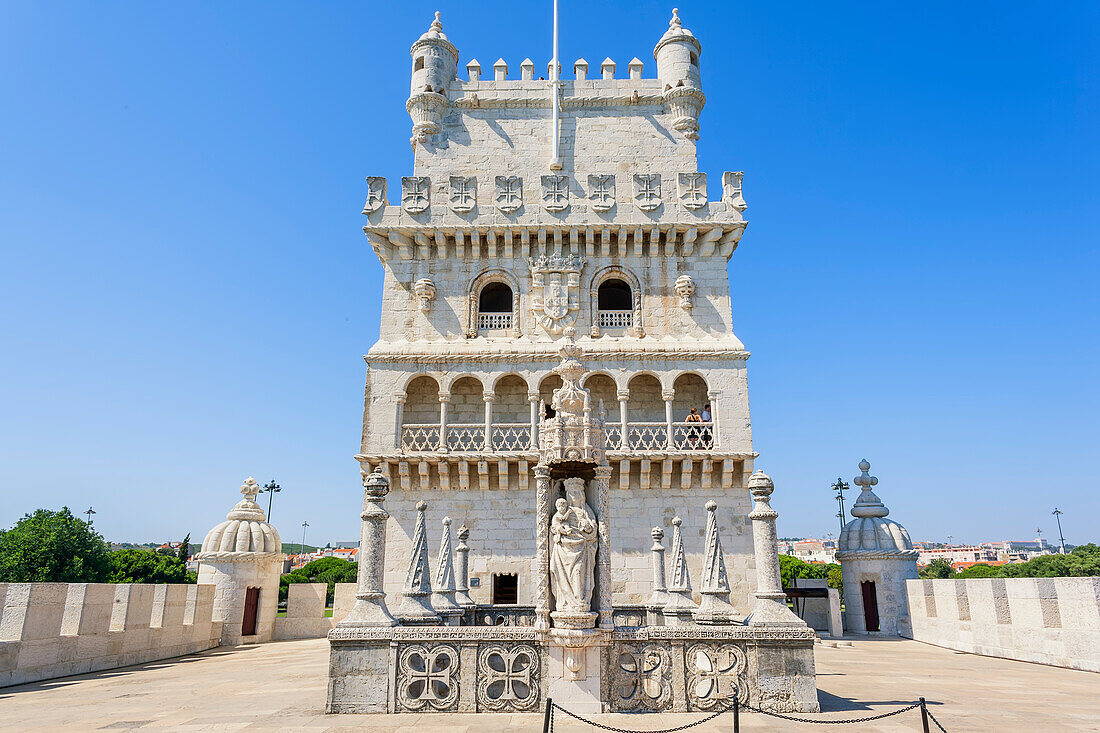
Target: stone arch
column 421, row 401
column 690, row 390
column 645, row 403
column 547, row 386
column 511, row 404
column 602, row 386
column 624, row 274
column 495, row 275
column 467, row 406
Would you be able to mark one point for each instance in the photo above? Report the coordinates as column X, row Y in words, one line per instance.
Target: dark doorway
column 251, row 605
column 870, row 604
column 505, row 588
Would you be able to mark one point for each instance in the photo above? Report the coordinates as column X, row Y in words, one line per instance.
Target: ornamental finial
column 250, row 488
column 674, row 23
column 864, row 480
column 436, row 24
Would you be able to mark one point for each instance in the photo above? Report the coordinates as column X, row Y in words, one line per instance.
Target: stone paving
column 281, row 686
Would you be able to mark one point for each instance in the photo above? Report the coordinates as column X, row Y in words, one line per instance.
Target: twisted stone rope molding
column 550, row 356
column 877, row 555
column 475, row 101
column 236, row 556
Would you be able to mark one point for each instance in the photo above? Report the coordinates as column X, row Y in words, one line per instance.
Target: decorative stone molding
column 692, row 189
column 642, row 679
column 647, row 191
column 426, row 110
column 731, row 190
column 463, row 194
column 424, row 289
column 601, row 191
column 509, row 196
column 715, row 674
column 508, row 678
column 376, row 194
column 555, row 286
column 427, row 677
column 673, row 354
column 415, row 194
column 555, row 193
column 685, row 103
column 685, row 288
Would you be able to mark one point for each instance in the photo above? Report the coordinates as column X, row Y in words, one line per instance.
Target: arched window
column 615, row 304
column 494, row 307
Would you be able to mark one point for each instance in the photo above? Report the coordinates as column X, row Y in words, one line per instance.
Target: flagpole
column 555, row 87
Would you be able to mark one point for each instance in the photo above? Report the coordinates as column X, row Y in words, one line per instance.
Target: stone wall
column 502, row 536
column 1053, row 621
column 305, row 610
column 52, row 630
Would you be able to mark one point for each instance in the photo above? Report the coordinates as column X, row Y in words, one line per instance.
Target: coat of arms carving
column 414, row 193
column 555, row 291
column 555, row 193
column 602, row 191
column 463, row 194
column 693, row 189
column 647, row 190
column 731, row 190
column 509, row 193
column 376, row 194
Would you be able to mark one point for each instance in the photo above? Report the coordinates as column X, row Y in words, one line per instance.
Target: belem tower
column 557, row 393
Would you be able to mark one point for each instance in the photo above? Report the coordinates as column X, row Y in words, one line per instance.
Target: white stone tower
column 242, row 557
column 490, row 254
column 876, row 558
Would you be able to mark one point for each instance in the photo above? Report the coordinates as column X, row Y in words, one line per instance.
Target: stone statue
column 573, row 551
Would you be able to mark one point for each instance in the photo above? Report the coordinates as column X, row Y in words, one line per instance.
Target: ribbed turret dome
column 243, row 531
column 871, row 531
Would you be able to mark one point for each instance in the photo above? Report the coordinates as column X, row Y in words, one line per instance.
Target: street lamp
column 304, row 525
column 1061, row 540
column 89, row 514
column 840, row 487
column 271, row 489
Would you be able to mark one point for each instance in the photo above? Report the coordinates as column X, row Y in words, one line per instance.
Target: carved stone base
column 572, row 620
column 772, row 612
column 716, row 610
column 369, row 611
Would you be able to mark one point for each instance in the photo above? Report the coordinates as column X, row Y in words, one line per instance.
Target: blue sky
column 185, row 291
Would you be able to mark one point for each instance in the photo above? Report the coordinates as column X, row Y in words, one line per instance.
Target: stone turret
column 435, row 66
column 677, row 56
column 243, row 554
column 876, row 558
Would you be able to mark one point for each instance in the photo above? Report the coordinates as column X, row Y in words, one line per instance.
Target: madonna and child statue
column 573, row 540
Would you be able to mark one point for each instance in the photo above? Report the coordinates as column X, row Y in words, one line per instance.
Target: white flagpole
column 555, row 86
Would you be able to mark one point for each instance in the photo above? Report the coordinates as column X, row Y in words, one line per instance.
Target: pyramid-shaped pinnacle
column 679, row 608
column 416, row 594
column 714, row 607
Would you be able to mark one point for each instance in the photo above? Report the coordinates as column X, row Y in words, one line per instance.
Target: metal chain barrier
column 548, row 724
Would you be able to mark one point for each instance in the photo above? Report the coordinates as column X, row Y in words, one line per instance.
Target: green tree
column 981, row 570
column 53, row 547
column 147, row 566
column 836, row 578
column 938, row 568
column 328, row 570
column 185, row 548
column 791, row 567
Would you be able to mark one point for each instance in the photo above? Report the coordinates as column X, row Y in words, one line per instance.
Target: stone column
column 462, row 569
column 623, row 396
column 488, row 397
column 370, row 599
column 771, row 603
column 716, row 437
column 668, row 396
column 444, row 400
column 533, row 398
column 400, row 418
column 603, row 549
column 542, row 546
column 659, row 597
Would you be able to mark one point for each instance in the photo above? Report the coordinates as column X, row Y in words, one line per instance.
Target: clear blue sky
column 185, row 291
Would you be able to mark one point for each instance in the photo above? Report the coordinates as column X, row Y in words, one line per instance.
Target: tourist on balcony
column 708, row 438
column 693, row 432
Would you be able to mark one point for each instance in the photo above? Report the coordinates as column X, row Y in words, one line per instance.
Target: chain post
column 924, row 715
column 547, row 716
column 736, row 713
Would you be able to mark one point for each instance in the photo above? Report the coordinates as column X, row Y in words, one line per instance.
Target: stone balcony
column 521, row 438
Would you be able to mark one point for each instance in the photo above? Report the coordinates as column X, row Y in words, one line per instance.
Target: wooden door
column 251, row 606
column 870, row 604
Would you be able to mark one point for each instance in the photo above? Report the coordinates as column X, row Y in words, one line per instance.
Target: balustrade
column 465, row 437
column 642, row 436
column 419, row 437
column 511, row 436
column 692, row 435
column 494, row 321
column 616, row 319
column 647, row 435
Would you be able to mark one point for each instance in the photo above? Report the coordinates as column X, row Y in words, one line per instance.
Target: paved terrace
column 281, row 687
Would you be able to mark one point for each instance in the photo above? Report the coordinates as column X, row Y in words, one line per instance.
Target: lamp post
column 304, row 525
column 840, row 487
column 89, row 514
column 271, row 488
column 1061, row 540
column 1039, row 538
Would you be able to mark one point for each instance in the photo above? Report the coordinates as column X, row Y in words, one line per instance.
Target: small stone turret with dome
column 876, row 557
column 242, row 553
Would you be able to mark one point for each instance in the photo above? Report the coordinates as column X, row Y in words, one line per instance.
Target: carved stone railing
column 511, row 436
column 492, row 615
column 420, row 437
column 648, row 435
column 465, row 437
column 494, row 321
column 692, row 435
column 614, row 436
column 616, row 319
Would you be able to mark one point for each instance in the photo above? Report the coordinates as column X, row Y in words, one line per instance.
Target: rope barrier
column 926, row 715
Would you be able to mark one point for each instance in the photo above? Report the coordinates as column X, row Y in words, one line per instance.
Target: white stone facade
column 489, row 256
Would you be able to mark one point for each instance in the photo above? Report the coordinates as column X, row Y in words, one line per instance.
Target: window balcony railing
column 419, row 437
column 614, row 436
column 494, row 321
column 647, row 435
column 462, row 437
column 616, row 319
column 692, row 435
column 511, row 436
